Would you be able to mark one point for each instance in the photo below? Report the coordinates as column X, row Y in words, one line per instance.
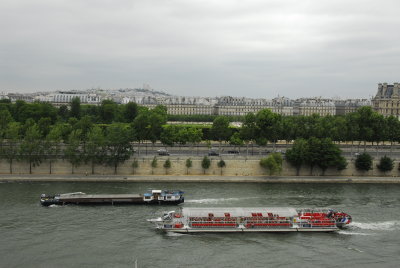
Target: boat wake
column 380, row 226
column 343, row 232
column 174, row 234
column 355, row 249
column 217, row 200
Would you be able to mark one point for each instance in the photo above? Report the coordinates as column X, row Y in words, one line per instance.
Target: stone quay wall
column 235, row 166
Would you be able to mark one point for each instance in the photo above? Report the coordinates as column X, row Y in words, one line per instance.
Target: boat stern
column 47, row 200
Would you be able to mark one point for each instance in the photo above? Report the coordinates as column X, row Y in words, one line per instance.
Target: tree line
column 104, row 134
column 364, row 125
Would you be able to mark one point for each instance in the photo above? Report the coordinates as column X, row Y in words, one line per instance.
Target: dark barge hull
column 117, row 199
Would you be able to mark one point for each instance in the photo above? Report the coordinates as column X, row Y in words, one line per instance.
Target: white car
column 162, row 152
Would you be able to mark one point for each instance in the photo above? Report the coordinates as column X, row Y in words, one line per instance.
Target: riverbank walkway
column 196, row 178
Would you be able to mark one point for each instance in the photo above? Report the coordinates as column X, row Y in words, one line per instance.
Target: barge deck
column 79, row 198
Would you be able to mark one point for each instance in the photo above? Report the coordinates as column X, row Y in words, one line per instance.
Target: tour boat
column 79, row 198
column 258, row 219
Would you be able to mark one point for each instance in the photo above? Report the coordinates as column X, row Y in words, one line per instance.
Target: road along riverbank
column 208, row 179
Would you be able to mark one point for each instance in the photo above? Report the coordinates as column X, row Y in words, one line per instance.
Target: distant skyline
column 255, row 48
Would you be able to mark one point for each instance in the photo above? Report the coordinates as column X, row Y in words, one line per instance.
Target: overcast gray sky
column 253, row 48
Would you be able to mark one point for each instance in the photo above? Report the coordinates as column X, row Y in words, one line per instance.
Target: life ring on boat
column 177, row 215
column 178, row 225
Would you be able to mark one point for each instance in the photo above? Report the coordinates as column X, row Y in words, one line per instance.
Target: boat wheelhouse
column 79, row 198
column 258, row 219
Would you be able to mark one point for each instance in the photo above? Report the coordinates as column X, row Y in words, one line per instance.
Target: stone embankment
column 237, row 168
column 196, row 178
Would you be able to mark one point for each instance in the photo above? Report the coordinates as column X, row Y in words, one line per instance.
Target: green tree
column 31, row 147
column 141, row 127
column 108, row 111
column 269, row 126
column 273, row 163
column 320, row 152
column 153, row 164
column 5, row 119
column 205, row 163
column 385, row 164
column 220, row 129
column 34, row 111
column 194, row 136
column 341, row 163
column 130, row 111
column 167, row 165
column 329, row 155
column 75, row 107
column 9, row 147
column 288, row 130
column 85, row 124
column 53, row 145
column 135, row 165
column 363, row 162
column 118, row 146
column 157, row 118
column 248, row 130
column 169, row 135
column 148, row 124
column 182, row 135
column 392, row 130
column 379, row 128
column 188, row 165
column 236, row 140
column 297, row 155
column 352, row 129
column 63, row 112
column 73, row 149
column 313, row 154
column 44, row 125
column 366, row 123
column 221, row 164
column 338, row 131
column 95, row 147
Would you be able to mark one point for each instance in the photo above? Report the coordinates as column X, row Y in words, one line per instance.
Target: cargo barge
column 79, row 198
column 259, row 219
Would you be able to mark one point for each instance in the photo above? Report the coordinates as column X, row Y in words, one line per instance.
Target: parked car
column 233, row 152
column 280, row 151
column 213, row 153
column 162, row 152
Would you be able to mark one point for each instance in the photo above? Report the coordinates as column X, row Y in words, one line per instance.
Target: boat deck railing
column 246, row 222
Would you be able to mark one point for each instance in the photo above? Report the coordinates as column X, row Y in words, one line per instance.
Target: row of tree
column 261, row 128
column 205, row 164
column 105, row 113
column 364, row 163
column 96, row 146
column 364, row 125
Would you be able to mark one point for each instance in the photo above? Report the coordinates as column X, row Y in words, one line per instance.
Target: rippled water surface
column 116, row 236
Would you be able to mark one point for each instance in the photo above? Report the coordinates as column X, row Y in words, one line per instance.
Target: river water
column 116, row 236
